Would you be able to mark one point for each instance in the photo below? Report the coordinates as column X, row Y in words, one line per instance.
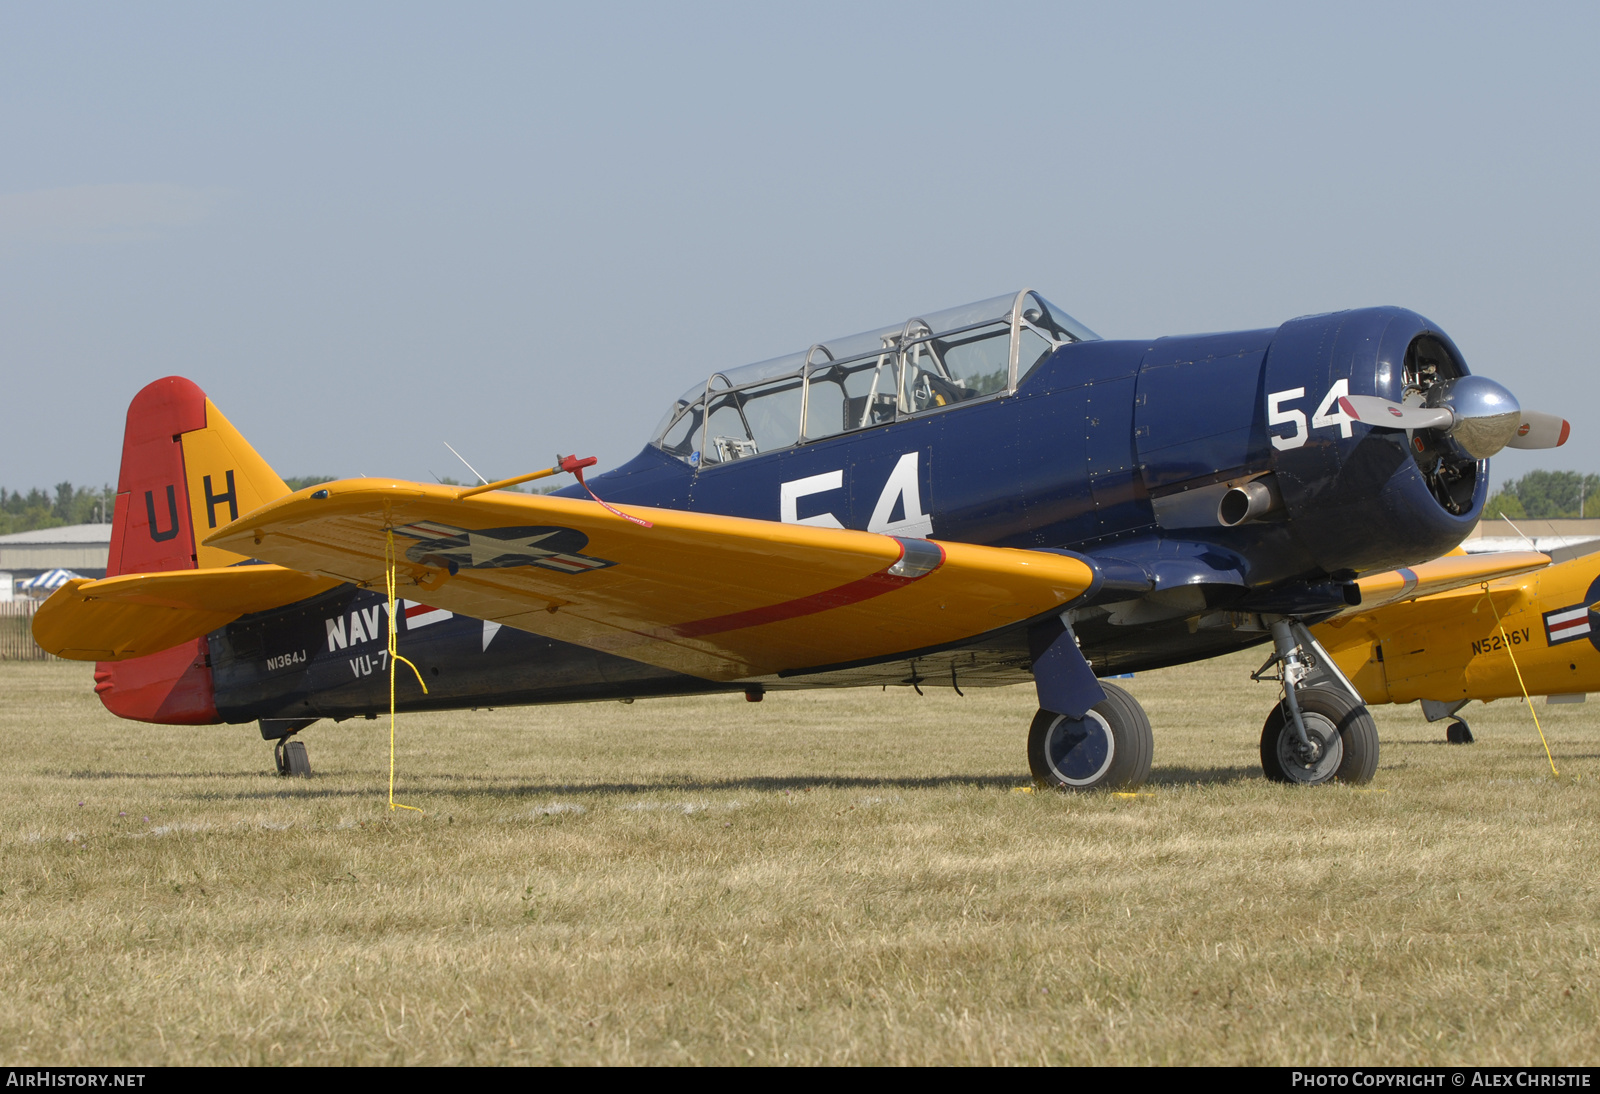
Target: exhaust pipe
column 1254, row 500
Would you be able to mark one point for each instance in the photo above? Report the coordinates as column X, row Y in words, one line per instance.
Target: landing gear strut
column 1321, row 729
column 1088, row 734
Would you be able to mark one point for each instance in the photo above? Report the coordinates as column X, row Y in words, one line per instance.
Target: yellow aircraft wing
column 1415, row 595
column 723, row 598
column 1456, row 570
column 131, row 615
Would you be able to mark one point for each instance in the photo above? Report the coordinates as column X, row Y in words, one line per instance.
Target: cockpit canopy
column 927, row 364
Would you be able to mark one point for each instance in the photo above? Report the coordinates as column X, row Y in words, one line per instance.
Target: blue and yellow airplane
column 985, row 495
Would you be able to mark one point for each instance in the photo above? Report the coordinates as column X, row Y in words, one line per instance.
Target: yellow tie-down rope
column 1518, row 670
column 394, row 655
column 570, row 464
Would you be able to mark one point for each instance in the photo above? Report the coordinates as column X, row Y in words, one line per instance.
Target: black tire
column 1109, row 748
column 1328, row 714
column 1458, row 733
column 295, row 758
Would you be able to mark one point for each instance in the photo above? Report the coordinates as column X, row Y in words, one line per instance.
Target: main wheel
column 1110, row 746
column 1458, row 733
column 1343, row 736
column 295, row 760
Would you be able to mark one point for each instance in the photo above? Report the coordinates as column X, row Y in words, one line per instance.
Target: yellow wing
column 131, row 615
column 723, row 598
column 1389, row 599
column 1452, row 571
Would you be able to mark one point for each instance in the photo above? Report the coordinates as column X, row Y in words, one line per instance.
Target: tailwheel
column 1458, row 732
column 292, row 759
column 1109, row 747
column 1341, row 740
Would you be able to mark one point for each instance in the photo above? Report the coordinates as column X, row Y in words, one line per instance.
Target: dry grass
column 827, row 877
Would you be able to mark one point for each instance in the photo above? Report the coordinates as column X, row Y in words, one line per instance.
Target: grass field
column 845, row 877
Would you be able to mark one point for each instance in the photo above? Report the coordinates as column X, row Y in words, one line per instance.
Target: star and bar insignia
column 456, row 549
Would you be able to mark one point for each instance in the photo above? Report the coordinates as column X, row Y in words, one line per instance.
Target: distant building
column 1560, row 539
column 82, row 548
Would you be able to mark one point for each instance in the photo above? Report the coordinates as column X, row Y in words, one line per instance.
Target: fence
column 16, row 631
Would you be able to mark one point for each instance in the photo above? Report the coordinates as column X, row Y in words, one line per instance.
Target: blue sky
column 369, row 229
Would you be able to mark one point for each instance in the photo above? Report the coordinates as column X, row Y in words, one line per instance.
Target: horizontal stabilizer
column 131, row 615
column 723, row 598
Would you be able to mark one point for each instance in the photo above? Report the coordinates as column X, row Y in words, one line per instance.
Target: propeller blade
column 1382, row 414
column 1540, row 431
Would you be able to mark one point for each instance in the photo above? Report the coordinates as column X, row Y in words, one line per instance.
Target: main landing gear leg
column 1320, row 730
column 1087, row 735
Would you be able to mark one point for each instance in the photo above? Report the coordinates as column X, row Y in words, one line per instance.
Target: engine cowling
column 1359, row 498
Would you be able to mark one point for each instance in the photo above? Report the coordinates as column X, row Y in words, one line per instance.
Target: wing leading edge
column 1403, row 598
column 724, row 598
column 1441, row 575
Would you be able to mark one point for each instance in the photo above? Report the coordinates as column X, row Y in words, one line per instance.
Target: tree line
column 38, row 508
column 1547, row 495
column 1538, row 495
column 70, row 504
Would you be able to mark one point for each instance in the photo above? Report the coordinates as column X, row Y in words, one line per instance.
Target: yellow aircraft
column 1449, row 648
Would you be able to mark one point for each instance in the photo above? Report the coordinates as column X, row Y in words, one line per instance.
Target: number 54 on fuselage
column 985, row 495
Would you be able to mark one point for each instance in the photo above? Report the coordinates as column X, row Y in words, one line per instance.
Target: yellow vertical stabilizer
column 227, row 478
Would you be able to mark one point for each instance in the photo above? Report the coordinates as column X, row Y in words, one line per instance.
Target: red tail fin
column 184, row 467
column 151, row 530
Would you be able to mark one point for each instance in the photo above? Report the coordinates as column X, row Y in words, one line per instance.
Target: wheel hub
column 1080, row 750
column 1318, row 762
